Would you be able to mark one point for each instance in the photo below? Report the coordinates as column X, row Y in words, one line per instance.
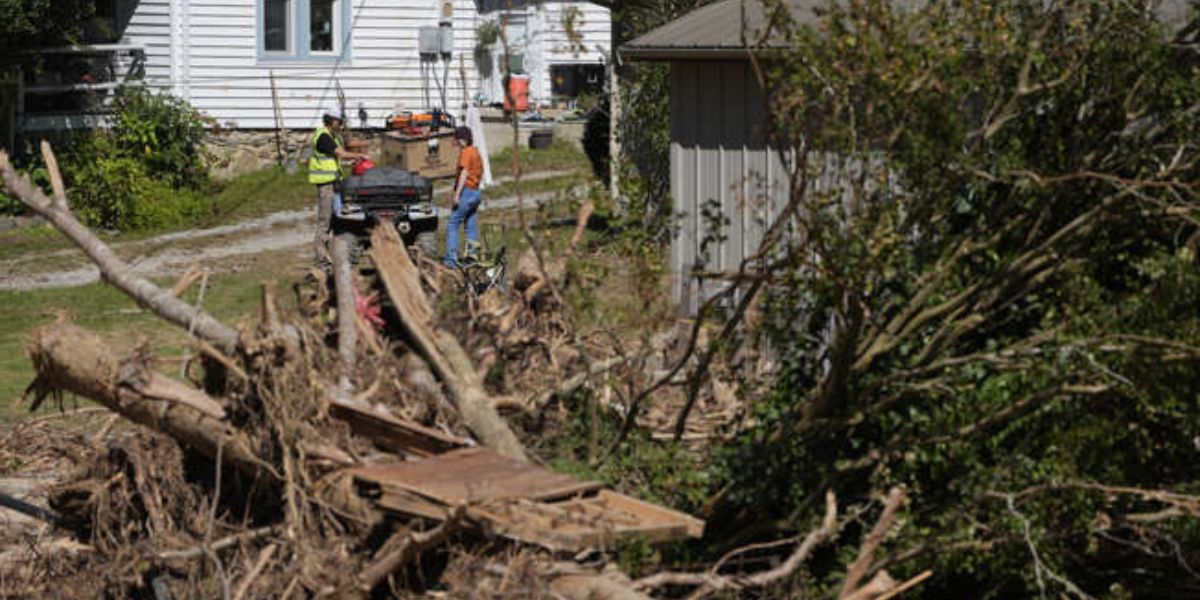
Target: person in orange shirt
column 467, row 196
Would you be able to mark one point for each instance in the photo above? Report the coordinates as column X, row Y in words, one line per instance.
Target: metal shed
column 727, row 182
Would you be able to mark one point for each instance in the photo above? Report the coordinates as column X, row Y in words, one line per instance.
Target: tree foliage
column 146, row 170
column 996, row 304
column 26, row 24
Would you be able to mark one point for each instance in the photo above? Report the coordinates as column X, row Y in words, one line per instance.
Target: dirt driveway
column 221, row 248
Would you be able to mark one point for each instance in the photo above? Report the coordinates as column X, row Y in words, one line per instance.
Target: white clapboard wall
column 207, row 51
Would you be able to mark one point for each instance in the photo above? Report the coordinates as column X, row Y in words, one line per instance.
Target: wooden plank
column 445, row 356
column 474, row 475
column 393, row 433
column 509, row 498
column 652, row 512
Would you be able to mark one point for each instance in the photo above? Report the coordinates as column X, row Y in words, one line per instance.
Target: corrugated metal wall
column 720, row 160
column 213, row 58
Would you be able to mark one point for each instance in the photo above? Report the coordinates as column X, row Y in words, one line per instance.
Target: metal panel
column 719, row 152
column 685, row 201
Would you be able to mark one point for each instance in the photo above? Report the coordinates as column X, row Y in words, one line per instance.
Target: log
column 69, row 358
column 112, row 268
column 347, row 337
column 445, row 356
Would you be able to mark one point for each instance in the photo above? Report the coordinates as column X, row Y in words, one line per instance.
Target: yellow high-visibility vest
column 323, row 168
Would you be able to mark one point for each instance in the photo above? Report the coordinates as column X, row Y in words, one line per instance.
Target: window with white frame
column 302, row 29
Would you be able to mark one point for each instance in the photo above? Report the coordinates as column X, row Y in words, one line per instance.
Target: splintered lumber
column 69, row 358
column 446, row 358
column 393, row 433
column 520, row 501
column 112, row 268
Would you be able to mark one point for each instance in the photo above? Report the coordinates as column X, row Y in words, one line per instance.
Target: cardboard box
column 417, row 153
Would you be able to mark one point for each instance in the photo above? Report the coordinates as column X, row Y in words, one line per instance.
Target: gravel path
column 171, row 253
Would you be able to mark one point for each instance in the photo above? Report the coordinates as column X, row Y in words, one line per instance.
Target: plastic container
column 541, row 139
column 518, row 94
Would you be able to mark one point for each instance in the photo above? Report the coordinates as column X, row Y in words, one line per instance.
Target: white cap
column 333, row 111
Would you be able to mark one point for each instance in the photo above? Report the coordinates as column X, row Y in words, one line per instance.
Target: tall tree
column 995, row 305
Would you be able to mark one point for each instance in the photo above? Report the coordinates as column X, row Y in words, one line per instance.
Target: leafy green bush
column 121, row 194
column 10, row 205
column 164, row 132
column 147, row 171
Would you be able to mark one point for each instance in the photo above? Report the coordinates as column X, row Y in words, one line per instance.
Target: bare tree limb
column 408, row 547
column 347, row 329
column 112, row 268
column 711, row 582
column 858, row 569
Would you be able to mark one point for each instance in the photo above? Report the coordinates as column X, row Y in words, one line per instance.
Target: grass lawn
column 106, row 311
column 560, row 156
column 243, row 197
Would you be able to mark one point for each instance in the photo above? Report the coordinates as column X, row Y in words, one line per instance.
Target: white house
column 221, row 55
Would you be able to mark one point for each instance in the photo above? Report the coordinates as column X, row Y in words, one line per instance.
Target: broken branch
column 112, row 268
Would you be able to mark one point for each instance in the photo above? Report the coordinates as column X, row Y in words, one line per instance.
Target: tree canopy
column 997, row 306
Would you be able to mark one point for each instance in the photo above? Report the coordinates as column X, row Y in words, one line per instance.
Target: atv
column 389, row 195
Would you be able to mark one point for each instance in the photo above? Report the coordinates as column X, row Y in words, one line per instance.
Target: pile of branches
column 238, row 484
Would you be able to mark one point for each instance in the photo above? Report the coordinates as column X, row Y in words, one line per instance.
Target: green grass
column 244, row 197
column 260, row 193
column 101, row 308
column 538, row 186
column 560, row 156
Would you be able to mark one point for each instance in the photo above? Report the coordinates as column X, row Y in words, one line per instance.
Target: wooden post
column 278, row 120
column 347, row 328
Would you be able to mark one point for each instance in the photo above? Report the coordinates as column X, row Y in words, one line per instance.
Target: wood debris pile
column 315, row 454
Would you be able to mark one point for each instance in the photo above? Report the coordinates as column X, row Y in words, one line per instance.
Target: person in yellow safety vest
column 325, row 171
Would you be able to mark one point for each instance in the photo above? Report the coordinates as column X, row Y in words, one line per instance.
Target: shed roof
column 716, row 29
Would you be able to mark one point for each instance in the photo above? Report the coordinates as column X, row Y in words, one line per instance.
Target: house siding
column 215, row 63
column 591, row 43
column 206, row 51
column 549, row 44
column 720, row 159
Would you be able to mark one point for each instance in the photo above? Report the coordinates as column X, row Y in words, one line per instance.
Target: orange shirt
column 470, row 160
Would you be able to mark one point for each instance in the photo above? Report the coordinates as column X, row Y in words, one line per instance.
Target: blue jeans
column 468, row 204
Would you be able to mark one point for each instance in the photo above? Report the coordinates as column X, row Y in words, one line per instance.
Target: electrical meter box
column 429, row 40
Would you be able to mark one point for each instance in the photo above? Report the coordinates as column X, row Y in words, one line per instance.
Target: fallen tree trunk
column 112, row 268
column 446, row 357
column 69, row 358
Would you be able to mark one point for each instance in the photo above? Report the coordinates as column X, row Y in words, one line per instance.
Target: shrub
column 164, row 132
column 144, row 172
